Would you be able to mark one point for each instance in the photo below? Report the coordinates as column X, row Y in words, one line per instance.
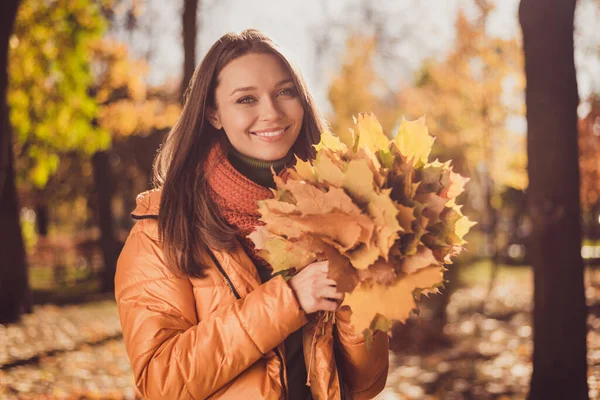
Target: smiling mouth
column 272, row 133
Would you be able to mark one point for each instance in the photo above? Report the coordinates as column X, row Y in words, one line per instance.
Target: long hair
column 188, row 219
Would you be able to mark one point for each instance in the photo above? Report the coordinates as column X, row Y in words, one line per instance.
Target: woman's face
column 258, row 106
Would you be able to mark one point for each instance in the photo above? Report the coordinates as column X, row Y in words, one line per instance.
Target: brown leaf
column 383, row 273
column 363, row 256
column 434, row 205
column 340, row 270
column 395, row 302
column 344, row 229
column 423, row 258
column 405, row 217
column 283, row 254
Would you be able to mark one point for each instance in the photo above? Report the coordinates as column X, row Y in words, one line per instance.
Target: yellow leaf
column 331, row 142
column 304, row 170
column 347, row 137
column 462, row 227
column 327, row 170
column 363, row 256
column 370, row 133
column 457, row 186
column 413, row 140
column 358, row 180
column 282, row 254
column 394, row 302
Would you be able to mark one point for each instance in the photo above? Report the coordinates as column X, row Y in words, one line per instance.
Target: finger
column 325, row 266
column 345, row 308
column 328, row 305
column 331, row 293
column 329, row 282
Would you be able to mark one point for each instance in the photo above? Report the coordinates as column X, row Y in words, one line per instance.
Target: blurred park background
column 93, row 86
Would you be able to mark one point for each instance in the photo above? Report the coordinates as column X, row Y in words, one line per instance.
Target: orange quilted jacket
column 221, row 337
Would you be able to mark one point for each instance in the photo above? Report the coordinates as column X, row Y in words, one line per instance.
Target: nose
column 270, row 110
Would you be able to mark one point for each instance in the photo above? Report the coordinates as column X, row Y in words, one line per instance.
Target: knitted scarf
column 236, row 198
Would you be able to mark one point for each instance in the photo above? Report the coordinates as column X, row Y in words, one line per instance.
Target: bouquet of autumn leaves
column 382, row 214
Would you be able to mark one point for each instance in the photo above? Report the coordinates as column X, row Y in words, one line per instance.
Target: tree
column 359, row 88
column 589, row 161
column 124, row 110
column 464, row 97
column 589, row 168
column 13, row 269
column 560, row 311
column 52, row 108
column 190, row 31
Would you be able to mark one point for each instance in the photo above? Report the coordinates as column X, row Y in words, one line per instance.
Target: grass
column 480, row 272
column 43, row 278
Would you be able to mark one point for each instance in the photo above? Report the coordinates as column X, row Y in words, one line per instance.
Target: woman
column 202, row 316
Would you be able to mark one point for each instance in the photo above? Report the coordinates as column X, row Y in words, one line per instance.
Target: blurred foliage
column 474, row 105
column 359, row 88
column 76, row 90
column 52, row 108
column 122, row 93
column 470, row 99
column 589, row 156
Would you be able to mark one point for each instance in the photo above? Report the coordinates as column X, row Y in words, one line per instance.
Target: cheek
column 295, row 111
column 238, row 121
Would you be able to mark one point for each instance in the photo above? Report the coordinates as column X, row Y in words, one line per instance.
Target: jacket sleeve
column 365, row 372
column 174, row 355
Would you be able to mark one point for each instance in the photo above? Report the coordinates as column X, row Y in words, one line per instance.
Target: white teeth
column 269, row 134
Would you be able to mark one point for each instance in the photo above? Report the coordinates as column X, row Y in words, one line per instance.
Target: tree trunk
column 108, row 243
column 41, row 218
column 190, row 27
column 14, row 292
column 559, row 316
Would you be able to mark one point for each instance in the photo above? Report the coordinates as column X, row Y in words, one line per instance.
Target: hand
column 314, row 291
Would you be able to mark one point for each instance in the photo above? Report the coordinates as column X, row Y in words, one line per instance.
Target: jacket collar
column 237, row 264
column 147, row 204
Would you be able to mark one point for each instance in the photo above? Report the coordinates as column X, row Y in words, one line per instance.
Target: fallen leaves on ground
column 489, row 358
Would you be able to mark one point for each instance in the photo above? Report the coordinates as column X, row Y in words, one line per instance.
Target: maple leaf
column 370, row 133
column 395, row 301
column 456, row 187
column 328, row 169
column 331, row 142
column 363, row 256
column 434, row 205
column 462, row 227
column 280, row 253
column 302, row 170
column 413, row 140
column 384, row 217
column 423, row 258
column 312, row 200
column 340, row 270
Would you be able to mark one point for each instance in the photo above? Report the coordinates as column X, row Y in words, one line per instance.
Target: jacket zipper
column 237, row 296
column 222, row 271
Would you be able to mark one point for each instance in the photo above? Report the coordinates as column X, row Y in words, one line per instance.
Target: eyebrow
column 247, row 88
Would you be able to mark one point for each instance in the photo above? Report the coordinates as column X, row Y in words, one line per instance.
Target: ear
column 213, row 118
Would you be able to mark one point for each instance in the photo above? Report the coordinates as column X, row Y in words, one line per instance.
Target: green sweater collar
column 258, row 171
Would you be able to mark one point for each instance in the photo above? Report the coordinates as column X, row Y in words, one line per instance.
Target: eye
column 288, row 91
column 245, row 100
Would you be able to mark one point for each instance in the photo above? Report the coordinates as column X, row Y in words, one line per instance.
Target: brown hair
column 188, row 219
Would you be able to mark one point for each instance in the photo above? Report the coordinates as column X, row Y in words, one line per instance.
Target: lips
column 271, row 132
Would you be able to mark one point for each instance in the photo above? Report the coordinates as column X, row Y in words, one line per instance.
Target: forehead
column 253, row 69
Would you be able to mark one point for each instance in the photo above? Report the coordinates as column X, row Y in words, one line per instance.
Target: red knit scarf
column 236, row 198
